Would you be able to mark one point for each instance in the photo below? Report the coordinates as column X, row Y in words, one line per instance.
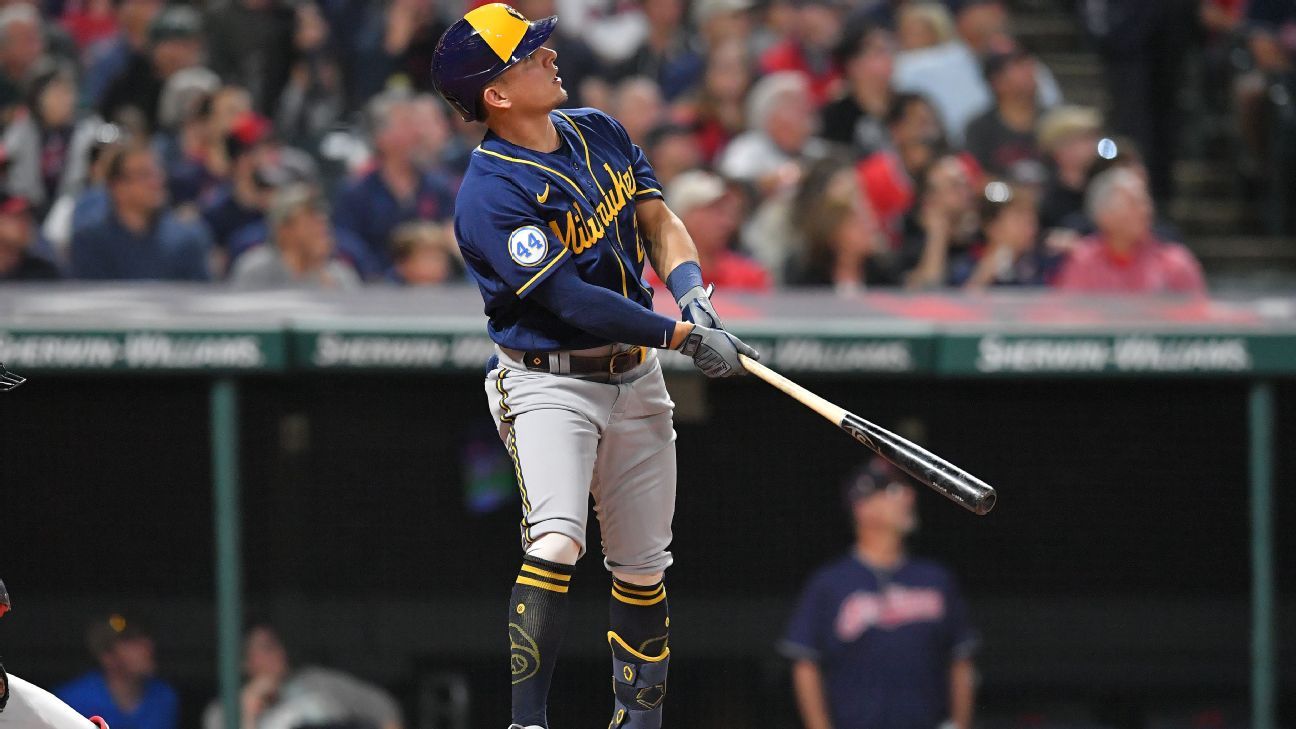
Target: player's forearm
column 962, row 692
column 669, row 242
column 807, row 680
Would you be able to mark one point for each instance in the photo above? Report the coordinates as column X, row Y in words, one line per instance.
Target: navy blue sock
column 640, row 615
column 537, row 620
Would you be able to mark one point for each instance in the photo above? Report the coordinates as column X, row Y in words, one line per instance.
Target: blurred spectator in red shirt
column 712, row 215
column 717, row 111
column 841, row 241
column 88, row 21
column 887, row 176
column 1125, row 256
column 1004, row 136
column 18, row 260
column 815, row 33
column 858, row 117
column 781, row 124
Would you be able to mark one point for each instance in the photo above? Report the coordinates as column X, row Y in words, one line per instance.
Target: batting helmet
column 479, row 47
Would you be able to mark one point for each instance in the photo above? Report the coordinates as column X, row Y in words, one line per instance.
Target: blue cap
column 479, row 47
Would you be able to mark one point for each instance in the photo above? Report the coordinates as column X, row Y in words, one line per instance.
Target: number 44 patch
column 528, row 245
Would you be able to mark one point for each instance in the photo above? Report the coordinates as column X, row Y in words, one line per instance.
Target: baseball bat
column 956, row 484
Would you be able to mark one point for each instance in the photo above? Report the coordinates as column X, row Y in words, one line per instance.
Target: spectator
column 815, row 34
column 278, row 697
column 1009, row 252
column 243, row 198
column 1125, row 256
column 673, row 149
column 1004, row 136
column 22, row 46
column 251, row 44
column 400, row 188
column 424, row 254
column 943, row 67
column 300, row 251
column 1264, row 110
column 396, row 44
column 941, row 229
column 668, row 55
column 314, row 99
column 712, row 215
column 878, row 639
column 193, row 167
column 1143, row 47
column 721, row 21
column 781, row 123
column 637, row 104
column 125, row 690
column 716, row 113
column 175, row 43
column 88, row 21
column 108, row 58
column 840, row 233
column 1068, row 137
column 137, row 237
column 89, row 204
column 888, row 175
column 47, row 145
column 858, row 117
column 18, row 259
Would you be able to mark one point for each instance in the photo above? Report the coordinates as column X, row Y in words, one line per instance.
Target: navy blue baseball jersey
column 521, row 215
column 884, row 641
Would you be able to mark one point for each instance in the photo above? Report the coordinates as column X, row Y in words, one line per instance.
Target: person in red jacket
column 1124, row 256
column 712, row 215
column 815, row 34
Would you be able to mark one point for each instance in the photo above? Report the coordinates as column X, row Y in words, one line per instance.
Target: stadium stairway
column 1212, row 208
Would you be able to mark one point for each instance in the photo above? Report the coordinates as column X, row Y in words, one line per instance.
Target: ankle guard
column 639, row 685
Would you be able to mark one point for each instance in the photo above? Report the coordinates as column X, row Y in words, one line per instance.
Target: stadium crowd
column 818, row 143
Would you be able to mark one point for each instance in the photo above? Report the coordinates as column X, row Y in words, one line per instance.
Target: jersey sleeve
column 495, row 223
column 805, row 637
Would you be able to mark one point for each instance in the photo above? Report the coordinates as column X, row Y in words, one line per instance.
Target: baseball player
column 880, row 640
column 24, row 705
column 557, row 216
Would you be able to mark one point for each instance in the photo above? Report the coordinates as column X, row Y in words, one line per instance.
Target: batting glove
column 715, row 351
column 695, row 307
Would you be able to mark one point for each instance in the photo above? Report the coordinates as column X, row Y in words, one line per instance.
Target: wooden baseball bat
column 956, row 484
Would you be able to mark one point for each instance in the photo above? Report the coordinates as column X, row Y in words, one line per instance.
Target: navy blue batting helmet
column 479, row 47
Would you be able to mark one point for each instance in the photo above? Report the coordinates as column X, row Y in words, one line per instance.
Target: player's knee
column 638, row 579
column 558, row 548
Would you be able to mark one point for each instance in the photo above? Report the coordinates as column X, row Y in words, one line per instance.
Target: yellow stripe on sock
column 546, row 573
column 542, row 585
column 636, row 601
column 643, row 593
